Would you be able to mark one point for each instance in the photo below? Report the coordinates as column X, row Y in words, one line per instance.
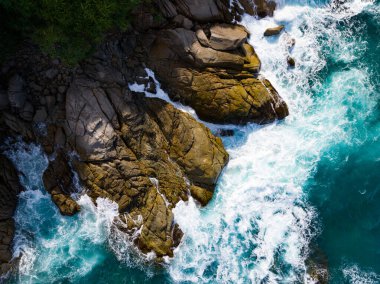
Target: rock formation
column 140, row 152
column 273, row 31
column 213, row 69
column 9, row 190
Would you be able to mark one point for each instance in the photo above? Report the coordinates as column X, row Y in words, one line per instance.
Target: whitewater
column 259, row 226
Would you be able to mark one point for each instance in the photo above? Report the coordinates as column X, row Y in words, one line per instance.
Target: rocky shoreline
column 139, row 152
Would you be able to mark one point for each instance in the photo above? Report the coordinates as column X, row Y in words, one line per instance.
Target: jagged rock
column 142, row 153
column 215, row 10
column 264, row 8
column 273, row 31
column 167, row 8
column 261, row 8
column 209, row 69
column 9, row 189
column 201, row 10
column 58, row 181
column 139, row 152
column 227, row 93
column 317, row 266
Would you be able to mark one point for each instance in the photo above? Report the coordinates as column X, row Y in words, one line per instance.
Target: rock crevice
column 140, row 152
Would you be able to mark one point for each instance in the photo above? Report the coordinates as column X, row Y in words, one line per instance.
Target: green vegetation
column 64, row 28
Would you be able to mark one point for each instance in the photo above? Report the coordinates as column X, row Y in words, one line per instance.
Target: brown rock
column 9, row 189
column 227, row 37
column 139, row 152
column 58, row 181
column 221, row 86
column 201, row 194
column 273, row 31
column 291, row 61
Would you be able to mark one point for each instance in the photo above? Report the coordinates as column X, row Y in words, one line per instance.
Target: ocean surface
column 308, row 183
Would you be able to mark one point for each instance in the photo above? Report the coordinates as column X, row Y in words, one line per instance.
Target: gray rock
column 199, row 10
column 40, row 115
column 183, row 22
column 16, row 92
column 27, row 111
column 50, row 102
column 10, row 188
column 62, row 89
column 227, row 37
column 51, row 73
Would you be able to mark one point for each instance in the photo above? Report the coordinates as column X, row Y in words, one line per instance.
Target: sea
column 303, row 189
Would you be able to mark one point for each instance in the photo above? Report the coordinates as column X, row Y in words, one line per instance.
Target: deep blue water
column 312, row 180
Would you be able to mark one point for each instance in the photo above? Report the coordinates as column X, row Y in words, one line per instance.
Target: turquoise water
column 311, row 180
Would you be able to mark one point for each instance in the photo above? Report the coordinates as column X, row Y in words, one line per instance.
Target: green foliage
column 65, row 28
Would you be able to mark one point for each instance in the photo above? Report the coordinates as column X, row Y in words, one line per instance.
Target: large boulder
column 221, row 86
column 142, row 153
column 9, row 189
column 227, row 37
column 197, row 10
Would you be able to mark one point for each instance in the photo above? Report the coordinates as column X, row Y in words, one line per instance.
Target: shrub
column 64, row 28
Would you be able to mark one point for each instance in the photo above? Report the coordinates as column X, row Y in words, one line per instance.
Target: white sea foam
column 46, row 241
column 353, row 274
column 257, row 227
column 161, row 94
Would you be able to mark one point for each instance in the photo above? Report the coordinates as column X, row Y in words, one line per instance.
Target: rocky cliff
column 9, row 190
column 141, row 152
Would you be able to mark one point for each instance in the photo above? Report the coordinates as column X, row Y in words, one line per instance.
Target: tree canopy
column 64, row 28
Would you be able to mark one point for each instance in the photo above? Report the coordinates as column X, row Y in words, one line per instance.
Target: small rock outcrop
column 291, row 62
column 9, row 190
column 58, row 181
column 273, row 31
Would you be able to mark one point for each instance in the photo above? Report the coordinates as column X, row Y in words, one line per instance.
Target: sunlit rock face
column 213, row 69
column 140, row 152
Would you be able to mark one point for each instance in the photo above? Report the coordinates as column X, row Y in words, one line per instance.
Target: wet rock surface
column 221, row 86
column 58, row 181
column 273, row 31
column 9, row 190
column 140, row 152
